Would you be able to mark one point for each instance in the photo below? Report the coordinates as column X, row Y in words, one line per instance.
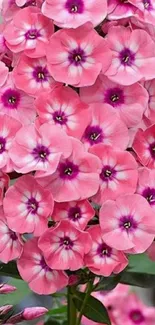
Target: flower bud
column 27, row 314
column 5, row 288
column 4, row 309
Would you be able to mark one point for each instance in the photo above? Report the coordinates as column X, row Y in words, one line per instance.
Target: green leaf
column 94, row 309
column 52, row 322
column 138, row 279
column 141, row 263
column 10, row 270
column 57, row 311
column 108, row 283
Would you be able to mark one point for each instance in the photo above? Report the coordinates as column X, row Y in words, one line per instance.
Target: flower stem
column 88, row 292
column 71, row 307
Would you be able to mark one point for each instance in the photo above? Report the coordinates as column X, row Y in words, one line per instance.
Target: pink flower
column 146, row 185
column 105, row 127
column 76, row 178
column 33, row 269
column 11, row 245
column 39, row 149
column 133, row 55
column 144, row 146
column 16, row 103
column 79, row 55
column 118, row 9
column 150, row 111
column 74, row 13
column 29, row 31
column 151, row 251
column 32, row 75
column 4, row 184
column 64, row 246
column 32, row 206
column 8, row 129
column 129, row 102
column 146, row 11
column 78, row 212
column 63, row 108
column 102, row 259
column 119, row 173
column 3, row 73
column 128, row 223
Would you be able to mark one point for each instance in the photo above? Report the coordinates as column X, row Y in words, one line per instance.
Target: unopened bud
column 5, row 288
column 73, row 280
column 4, row 309
column 27, row 314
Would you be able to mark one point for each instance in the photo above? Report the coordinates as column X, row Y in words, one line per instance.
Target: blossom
column 102, row 259
column 133, row 55
column 32, row 206
column 79, row 55
column 64, row 246
column 4, row 184
column 74, row 13
column 32, row 75
column 39, row 149
column 29, row 31
column 119, row 173
column 144, row 146
column 129, row 102
column 63, row 108
column 150, row 111
column 128, row 223
column 146, row 185
column 76, row 178
column 146, row 11
column 77, row 212
column 105, row 127
column 16, row 103
column 120, row 9
column 8, row 128
column 11, row 244
column 33, row 269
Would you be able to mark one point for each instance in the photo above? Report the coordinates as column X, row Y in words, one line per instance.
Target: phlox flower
column 144, row 146
column 32, row 75
column 63, row 108
column 119, row 173
column 105, row 127
column 74, row 13
column 11, row 244
column 146, row 11
column 32, row 206
column 76, row 178
column 128, row 223
column 77, row 212
column 102, row 259
column 79, row 55
column 146, row 185
column 39, row 149
column 8, row 129
column 64, row 246
column 150, row 111
column 16, row 103
column 33, row 269
column 133, row 55
column 129, row 102
column 4, row 184
column 118, row 9
column 29, row 31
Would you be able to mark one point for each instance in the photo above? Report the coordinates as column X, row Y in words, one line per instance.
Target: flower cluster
column 77, row 135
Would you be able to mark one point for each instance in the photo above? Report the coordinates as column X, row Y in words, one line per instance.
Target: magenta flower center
column 114, row 96
column 127, row 57
column 32, row 205
column 93, row 134
column 77, row 56
column 104, row 251
column 136, row 316
column 149, row 194
column 2, row 144
column 59, row 117
column 147, row 4
column 68, row 170
column 74, row 213
column 13, row 235
column 40, row 74
column 66, row 243
column 107, row 173
column 127, row 223
column 41, row 153
column 32, row 34
column 11, row 98
column 44, row 265
column 74, row 6
column 152, row 149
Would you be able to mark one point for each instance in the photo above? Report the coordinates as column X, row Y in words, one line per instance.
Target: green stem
column 88, row 292
column 71, row 307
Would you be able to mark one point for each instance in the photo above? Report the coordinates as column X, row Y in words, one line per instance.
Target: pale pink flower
column 76, row 178
column 129, row 102
column 146, row 185
column 74, row 13
column 119, row 173
column 118, row 9
column 29, row 31
column 16, row 103
column 32, row 75
column 146, row 11
column 105, row 127
column 128, row 223
column 39, row 149
column 63, row 108
column 133, row 55
column 4, row 184
column 78, row 212
column 79, row 55
column 102, row 259
column 33, row 269
column 32, row 206
column 11, row 244
column 8, row 129
column 144, row 146
column 64, row 246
